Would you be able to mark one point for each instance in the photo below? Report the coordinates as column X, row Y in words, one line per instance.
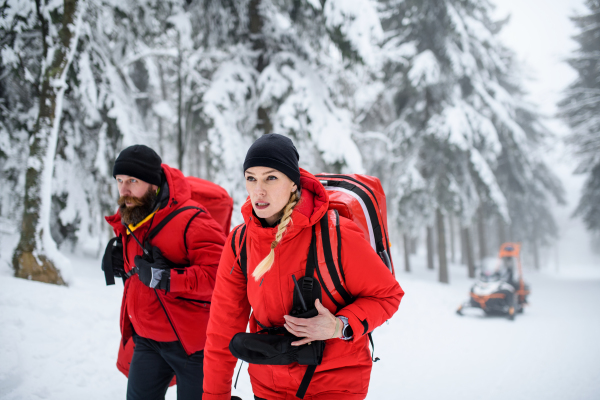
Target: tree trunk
column 536, row 254
column 180, row 139
column 413, row 245
column 481, row 232
column 451, row 229
column 429, row 247
column 443, row 262
column 501, row 231
column 256, row 24
column 406, row 252
column 469, row 252
column 36, row 253
column 463, row 246
column 163, row 90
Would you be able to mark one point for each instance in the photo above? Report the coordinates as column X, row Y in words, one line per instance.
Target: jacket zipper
column 170, row 322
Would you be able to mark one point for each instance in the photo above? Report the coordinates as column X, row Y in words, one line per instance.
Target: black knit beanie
column 140, row 162
column 274, row 151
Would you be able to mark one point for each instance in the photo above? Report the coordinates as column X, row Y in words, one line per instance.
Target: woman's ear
column 294, row 188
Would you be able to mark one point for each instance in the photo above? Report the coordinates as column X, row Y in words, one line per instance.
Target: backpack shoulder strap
column 188, row 226
column 168, row 219
column 238, row 245
column 329, row 255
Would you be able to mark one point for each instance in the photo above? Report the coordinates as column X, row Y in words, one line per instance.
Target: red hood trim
column 314, row 202
column 179, row 192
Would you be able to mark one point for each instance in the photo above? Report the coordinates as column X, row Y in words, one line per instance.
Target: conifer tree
column 36, row 254
column 581, row 109
column 454, row 109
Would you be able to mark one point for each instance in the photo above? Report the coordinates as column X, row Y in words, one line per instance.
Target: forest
column 422, row 94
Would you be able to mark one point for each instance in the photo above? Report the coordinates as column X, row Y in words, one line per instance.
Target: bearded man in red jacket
column 167, row 250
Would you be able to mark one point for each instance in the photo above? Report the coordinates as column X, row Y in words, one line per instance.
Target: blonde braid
column 265, row 265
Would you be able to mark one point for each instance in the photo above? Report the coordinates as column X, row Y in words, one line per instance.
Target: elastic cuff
column 358, row 328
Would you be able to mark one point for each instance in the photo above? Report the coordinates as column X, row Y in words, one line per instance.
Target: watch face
column 347, row 331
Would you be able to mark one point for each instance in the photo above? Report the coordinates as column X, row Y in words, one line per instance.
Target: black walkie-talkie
column 304, row 308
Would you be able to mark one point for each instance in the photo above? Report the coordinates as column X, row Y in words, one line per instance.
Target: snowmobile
column 500, row 290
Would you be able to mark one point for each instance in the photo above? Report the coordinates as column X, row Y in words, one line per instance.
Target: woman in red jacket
column 283, row 205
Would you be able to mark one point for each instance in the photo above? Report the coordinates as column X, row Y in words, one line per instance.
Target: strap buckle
column 131, row 272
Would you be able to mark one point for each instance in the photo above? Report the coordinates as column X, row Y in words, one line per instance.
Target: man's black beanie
column 274, row 151
column 140, row 162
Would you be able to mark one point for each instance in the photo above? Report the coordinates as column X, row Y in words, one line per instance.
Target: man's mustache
column 136, row 201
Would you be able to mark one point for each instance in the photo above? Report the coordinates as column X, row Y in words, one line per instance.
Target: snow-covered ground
column 61, row 343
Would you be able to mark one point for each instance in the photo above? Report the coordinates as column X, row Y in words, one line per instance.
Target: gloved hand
column 155, row 273
column 112, row 262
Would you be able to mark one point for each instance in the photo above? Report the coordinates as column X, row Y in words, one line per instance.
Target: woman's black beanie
column 275, row 151
column 140, row 162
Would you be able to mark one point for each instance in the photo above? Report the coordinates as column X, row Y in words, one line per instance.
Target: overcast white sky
column 540, row 32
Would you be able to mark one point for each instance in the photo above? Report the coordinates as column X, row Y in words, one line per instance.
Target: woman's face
column 269, row 191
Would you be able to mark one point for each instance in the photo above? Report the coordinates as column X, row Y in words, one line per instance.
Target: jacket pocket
column 201, row 303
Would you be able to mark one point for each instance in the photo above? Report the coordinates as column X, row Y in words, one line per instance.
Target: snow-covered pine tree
column 36, row 256
column 19, row 72
column 581, row 109
column 452, row 109
column 442, row 57
column 528, row 184
column 291, row 71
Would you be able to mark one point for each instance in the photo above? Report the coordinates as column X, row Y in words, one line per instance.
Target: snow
column 549, row 352
column 61, row 343
column 425, row 70
column 359, row 22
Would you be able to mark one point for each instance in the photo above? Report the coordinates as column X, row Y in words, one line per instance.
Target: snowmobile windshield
column 489, row 277
column 488, row 271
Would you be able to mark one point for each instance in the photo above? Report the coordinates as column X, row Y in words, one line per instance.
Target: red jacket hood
column 314, row 202
column 179, row 192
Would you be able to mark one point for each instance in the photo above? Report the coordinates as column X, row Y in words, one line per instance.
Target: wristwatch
column 347, row 333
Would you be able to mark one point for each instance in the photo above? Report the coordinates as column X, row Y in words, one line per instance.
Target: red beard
column 142, row 207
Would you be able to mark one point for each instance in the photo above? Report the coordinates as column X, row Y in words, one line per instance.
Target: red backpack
column 361, row 199
column 214, row 198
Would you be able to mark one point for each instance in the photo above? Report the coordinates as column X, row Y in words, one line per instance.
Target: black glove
column 112, row 262
column 255, row 348
column 155, row 273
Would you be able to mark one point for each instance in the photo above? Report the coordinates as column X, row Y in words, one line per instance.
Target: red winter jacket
column 346, row 366
column 186, row 307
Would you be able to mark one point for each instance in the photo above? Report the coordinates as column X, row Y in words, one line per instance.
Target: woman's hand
column 322, row 327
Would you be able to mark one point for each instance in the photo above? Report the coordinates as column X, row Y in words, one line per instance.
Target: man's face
column 132, row 187
column 136, row 198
